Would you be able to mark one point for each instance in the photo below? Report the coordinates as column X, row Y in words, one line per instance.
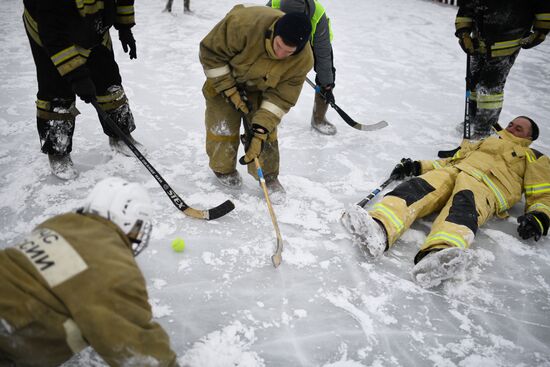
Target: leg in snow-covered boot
column 318, row 118
column 62, row 166
column 366, row 232
column 56, row 123
column 441, row 265
column 115, row 104
column 119, row 146
column 277, row 193
column 232, row 179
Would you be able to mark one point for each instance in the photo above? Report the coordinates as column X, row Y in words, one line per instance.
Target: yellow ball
column 178, row 244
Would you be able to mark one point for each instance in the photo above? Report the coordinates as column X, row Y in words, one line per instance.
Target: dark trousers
column 488, row 79
column 55, row 98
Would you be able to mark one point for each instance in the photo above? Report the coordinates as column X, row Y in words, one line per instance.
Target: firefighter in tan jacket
column 482, row 179
column 256, row 58
column 73, row 282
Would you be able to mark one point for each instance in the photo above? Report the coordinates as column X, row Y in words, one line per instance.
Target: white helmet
column 126, row 204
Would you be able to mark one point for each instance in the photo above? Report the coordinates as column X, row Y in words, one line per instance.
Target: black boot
column 62, row 166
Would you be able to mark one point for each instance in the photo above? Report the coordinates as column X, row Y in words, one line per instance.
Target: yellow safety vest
column 319, row 11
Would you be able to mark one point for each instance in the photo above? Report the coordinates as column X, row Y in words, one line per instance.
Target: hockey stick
column 208, row 214
column 276, row 258
column 375, row 192
column 467, row 128
column 467, row 123
column 467, row 111
column 356, row 125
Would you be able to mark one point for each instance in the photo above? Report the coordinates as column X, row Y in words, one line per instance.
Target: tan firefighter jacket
column 74, row 282
column 507, row 165
column 238, row 50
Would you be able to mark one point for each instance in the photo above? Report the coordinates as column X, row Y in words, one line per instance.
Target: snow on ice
column 221, row 300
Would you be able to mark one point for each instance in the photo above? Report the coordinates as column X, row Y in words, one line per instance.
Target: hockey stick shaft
column 375, row 192
column 351, row 122
column 467, row 122
column 276, row 258
column 213, row 213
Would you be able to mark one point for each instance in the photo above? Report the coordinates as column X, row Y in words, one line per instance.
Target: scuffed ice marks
column 368, row 311
column 159, row 309
column 468, row 352
column 333, row 291
column 229, row 346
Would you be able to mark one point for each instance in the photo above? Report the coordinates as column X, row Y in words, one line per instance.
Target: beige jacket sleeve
column 219, row 46
column 536, row 184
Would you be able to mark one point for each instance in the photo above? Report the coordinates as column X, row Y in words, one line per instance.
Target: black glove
column 255, row 145
column 466, row 43
column 127, row 39
column 534, row 39
column 84, row 88
column 406, row 168
column 327, row 94
column 533, row 224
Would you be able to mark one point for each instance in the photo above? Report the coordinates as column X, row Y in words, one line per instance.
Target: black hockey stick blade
column 211, row 214
column 208, row 214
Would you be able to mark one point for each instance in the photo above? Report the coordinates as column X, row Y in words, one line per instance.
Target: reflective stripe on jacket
column 239, row 51
column 507, row 165
column 499, row 25
column 68, row 30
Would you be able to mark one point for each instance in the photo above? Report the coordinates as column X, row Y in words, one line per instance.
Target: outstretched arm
column 536, row 220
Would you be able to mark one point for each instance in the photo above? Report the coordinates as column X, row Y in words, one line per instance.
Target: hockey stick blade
column 211, row 214
column 356, row 125
column 208, row 214
column 351, row 122
column 372, row 127
column 276, row 258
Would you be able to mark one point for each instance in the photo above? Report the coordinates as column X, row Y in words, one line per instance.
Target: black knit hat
column 534, row 128
column 294, row 29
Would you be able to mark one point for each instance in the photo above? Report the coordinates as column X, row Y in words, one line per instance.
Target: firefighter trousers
column 488, row 77
column 464, row 203
column 55, row 105
column 223, row 124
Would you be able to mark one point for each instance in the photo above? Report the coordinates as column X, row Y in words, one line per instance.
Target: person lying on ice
column 482, row 179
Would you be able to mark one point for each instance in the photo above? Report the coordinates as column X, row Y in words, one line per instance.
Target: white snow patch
column 226, row 347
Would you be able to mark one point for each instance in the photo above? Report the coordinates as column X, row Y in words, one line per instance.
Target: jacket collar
column 269, row 36
column 505, row 135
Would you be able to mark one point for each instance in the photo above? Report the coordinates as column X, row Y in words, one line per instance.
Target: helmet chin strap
column 139, row 236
